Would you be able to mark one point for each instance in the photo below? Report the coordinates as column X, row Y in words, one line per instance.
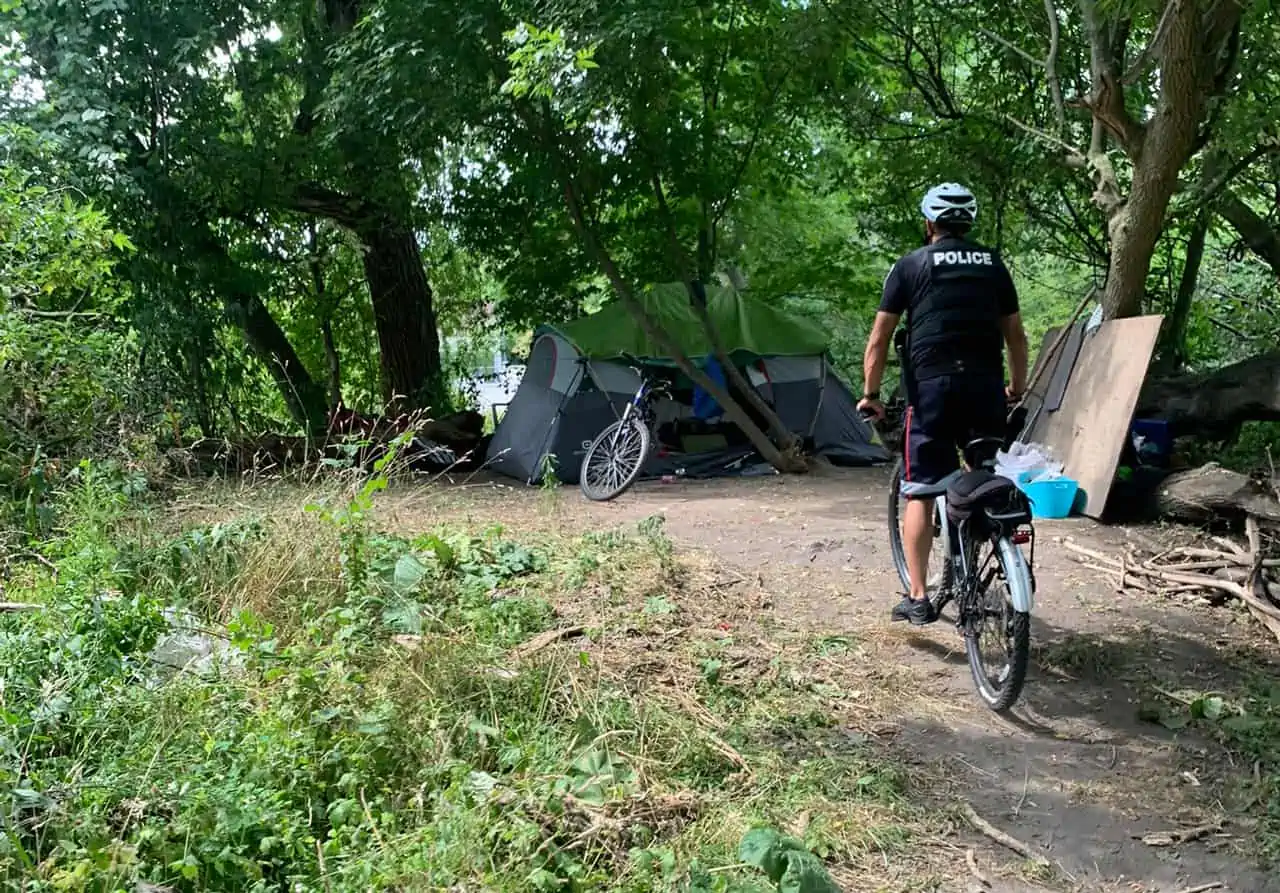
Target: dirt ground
column 1075, row 773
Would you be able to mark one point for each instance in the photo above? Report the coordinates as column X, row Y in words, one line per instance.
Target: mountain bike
column 981, row 521
column 615, row 458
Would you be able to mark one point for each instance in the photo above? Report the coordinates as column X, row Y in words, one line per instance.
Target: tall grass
column 376, row 712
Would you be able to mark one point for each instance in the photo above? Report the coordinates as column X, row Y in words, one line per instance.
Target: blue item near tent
column 1152, row 441
column 705, row 406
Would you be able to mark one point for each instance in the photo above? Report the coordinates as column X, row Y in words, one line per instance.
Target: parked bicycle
column 615, row 458
column 981, row 521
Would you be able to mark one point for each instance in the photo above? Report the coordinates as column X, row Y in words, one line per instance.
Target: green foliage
column 1249, row 723
column 786, row 862
column 249, row 705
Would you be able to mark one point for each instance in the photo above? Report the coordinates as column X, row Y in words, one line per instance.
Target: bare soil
column 1074, row 773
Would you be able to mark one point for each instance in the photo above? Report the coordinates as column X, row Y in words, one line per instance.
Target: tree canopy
column 309, row 205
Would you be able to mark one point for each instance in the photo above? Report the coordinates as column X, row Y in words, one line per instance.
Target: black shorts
column 945, row 414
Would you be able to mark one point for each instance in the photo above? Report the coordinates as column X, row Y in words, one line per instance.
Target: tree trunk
column 1211, row 492
column 1256, row 232
column 1174, row 352
column 333, row 362
column 304, row 397
column 402, row 309
column 1214, row 404
column 1196, row 50
column 785, row 439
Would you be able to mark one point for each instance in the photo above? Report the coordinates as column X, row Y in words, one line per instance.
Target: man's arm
column 1015, row 338
column 893, row 303
column 876, row 355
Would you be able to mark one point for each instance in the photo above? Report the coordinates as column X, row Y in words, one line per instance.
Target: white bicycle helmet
column 949, row 203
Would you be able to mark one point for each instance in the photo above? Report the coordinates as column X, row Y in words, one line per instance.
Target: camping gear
column 705, row 406
column 562, row 404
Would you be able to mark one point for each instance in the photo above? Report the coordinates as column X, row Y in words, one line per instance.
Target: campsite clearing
column 1080, row 774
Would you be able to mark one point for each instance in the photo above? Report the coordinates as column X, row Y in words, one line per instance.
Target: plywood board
column 1088, row 431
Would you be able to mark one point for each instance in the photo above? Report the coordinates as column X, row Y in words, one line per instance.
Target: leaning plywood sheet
column 1087, row 432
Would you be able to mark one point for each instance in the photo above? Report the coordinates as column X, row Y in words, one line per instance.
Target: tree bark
column 1261, row 238
column 403, row 311
column 333, row 362
column 408, row 342
column 1211, row 492
column 1214, row 404
column 235, row 286
column 304, row 397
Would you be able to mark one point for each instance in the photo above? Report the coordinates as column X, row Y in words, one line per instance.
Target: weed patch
column 308, row 701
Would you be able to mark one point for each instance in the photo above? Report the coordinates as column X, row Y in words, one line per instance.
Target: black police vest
column 954, row 317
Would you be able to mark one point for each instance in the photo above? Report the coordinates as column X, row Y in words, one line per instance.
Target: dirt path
column 1075, row 773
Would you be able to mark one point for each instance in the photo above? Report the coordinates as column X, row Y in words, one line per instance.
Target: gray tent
column 565, row 399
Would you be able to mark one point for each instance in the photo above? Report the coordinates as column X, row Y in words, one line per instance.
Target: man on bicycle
column 961, row 305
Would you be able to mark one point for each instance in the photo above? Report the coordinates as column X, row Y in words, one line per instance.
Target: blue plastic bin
column 1050, row 499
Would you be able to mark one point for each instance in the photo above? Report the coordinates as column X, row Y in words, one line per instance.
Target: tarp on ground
column 750, row 329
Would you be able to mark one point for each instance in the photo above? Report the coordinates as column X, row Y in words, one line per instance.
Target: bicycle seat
column 981, row 451
column 980, row 489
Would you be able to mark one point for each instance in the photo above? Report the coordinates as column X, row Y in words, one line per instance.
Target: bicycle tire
column 897, row 548
column 602, row 439
column 1003, row 696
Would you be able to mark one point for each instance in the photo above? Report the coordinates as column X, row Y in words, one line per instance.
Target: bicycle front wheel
column 997, row 634
column 614, row 459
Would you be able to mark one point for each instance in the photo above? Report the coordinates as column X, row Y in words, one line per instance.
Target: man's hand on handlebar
column 1012, row 395
column 871, row 408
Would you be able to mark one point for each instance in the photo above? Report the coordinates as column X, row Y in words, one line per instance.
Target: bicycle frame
column 1020, row 590
column 639, row 403
column 634, row 405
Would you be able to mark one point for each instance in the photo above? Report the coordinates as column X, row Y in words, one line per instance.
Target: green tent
column 750, row 329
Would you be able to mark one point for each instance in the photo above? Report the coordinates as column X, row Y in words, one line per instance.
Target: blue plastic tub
column 1050, row 499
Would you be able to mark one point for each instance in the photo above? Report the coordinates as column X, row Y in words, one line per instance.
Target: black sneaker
column 919, row 613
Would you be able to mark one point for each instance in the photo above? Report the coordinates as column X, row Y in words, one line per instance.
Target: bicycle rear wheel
column 897, row 505
column 991, row 616
column 614, row 459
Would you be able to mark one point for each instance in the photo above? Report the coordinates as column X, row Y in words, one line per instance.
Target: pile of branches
column 452, row 443
column 1214, row 570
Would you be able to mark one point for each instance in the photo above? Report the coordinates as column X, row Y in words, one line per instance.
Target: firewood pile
column 1213, row 570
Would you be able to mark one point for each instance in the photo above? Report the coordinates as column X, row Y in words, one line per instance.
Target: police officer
column 961, row 308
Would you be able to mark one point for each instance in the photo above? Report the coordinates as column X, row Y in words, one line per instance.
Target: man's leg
column 917, row 540
column 928, row 460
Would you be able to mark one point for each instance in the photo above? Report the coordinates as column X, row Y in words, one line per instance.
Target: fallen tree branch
column 1000, row 837
column 1204, row 888
column 1170, row 838
column 542, row 640
column 972, row 861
